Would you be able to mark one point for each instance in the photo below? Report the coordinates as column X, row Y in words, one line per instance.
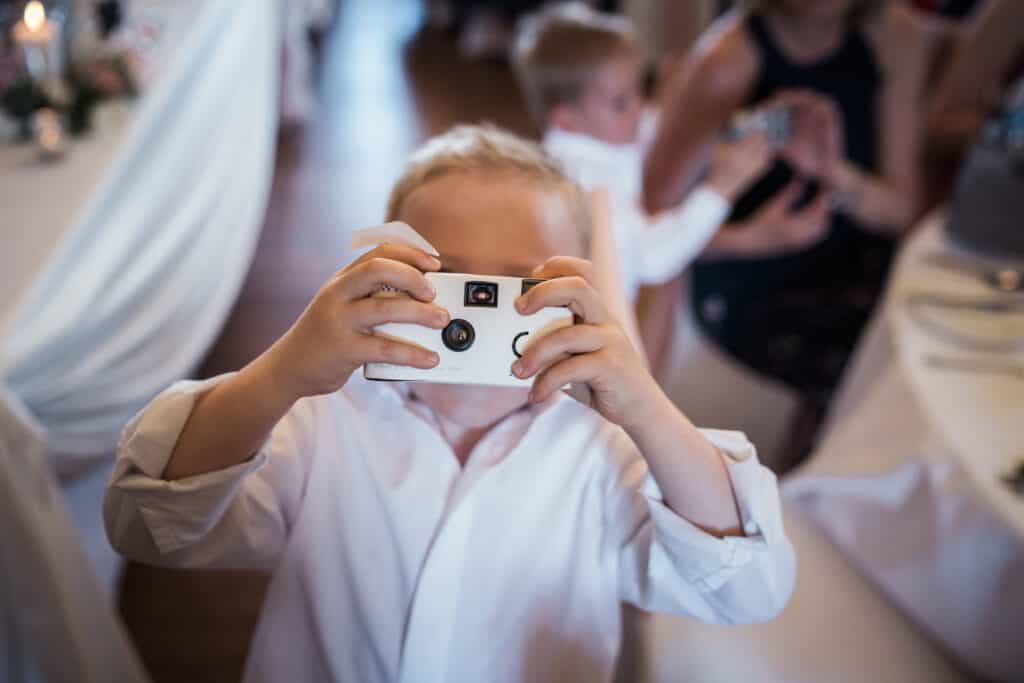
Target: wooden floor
column 385, row 85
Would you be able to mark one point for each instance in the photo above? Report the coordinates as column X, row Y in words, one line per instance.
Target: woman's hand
column 815, row 145
column 735, row 164
column 775, row 228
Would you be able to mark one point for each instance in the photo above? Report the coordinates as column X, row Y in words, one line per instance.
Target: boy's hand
column 333, row 336
column 735, row 164
column 595, row 351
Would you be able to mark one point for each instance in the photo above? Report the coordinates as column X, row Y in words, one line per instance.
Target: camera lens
column 459, row 335
column 481, row 294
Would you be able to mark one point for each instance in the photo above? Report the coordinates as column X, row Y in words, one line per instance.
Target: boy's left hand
column 595, row 351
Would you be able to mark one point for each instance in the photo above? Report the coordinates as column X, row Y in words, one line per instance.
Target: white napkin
column 395, row 232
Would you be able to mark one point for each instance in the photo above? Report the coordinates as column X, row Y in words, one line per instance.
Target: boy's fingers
column 565, row 266
column 399, row 252
column 374, row 311
column 572, row 291
column 581, row 369
column 557, row 346
column 376, row 349
column 369, row 276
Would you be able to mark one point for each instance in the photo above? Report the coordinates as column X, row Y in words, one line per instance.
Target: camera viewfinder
column 482, row 294
column 530, row 283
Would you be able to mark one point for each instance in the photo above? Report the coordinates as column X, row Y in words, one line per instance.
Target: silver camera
column 777, row 124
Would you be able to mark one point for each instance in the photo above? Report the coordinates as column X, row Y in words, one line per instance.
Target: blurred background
column 177, row 179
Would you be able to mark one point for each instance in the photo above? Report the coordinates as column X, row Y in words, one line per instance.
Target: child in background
column 427, row 532
column 581, row 73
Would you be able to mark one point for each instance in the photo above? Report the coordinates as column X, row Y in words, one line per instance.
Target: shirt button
column 751, row 528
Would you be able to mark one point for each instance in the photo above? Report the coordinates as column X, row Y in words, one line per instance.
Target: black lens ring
column 454, row 327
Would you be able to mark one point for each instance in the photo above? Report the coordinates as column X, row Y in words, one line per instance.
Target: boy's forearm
column 230, row 422
column 689, row 470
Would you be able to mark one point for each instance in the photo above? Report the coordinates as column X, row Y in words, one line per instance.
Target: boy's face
column 488, row 224
column 611, row 104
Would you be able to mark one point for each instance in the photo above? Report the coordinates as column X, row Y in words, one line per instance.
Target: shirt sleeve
column 235, row 518
column 670, row 241
column 666, row 564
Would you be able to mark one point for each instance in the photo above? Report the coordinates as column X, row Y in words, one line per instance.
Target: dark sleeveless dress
column 797, row 317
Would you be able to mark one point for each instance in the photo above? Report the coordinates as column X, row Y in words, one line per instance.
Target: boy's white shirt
column 652, row 249
column 392, row 563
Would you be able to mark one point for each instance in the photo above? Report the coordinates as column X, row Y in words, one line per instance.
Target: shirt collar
column 387, row 399
column 565, row 143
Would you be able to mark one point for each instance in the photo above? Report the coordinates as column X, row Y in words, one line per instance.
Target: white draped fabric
column 906, row 482
column 910, row 549
column 55, row 623
column 300, row 17
column 118, row 268
column 132, row 295
column 837, row 628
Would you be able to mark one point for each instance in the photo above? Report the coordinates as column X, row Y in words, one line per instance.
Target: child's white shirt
column 393, row 563
column 651, row 249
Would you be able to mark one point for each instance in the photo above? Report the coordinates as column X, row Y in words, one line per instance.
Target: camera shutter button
column 515, row 344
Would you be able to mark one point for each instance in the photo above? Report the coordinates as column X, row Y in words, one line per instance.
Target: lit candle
column 39, row 39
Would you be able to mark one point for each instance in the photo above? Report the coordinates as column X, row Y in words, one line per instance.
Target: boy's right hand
column 736, row 164
column 334, row 335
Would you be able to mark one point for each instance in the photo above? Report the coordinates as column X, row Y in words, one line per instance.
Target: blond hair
column 486, row 149
column 557, row 50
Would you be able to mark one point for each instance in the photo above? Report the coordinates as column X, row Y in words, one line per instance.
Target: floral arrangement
column 106, row 71
column 85, row 85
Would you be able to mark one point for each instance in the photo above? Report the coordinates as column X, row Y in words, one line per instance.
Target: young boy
column 581, row 73
column 423, row 532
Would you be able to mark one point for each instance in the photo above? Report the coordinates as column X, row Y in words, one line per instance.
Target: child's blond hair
column 557, row 50
column 486, row 149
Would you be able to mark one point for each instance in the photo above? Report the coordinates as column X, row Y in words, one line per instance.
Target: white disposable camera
column 485, row 336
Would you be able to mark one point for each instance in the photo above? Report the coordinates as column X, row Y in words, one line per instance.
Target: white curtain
column 55, row 622
column 128, row 302
column 141, row 286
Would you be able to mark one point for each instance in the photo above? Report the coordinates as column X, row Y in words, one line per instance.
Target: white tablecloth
column 905, row 505
column 119, row 265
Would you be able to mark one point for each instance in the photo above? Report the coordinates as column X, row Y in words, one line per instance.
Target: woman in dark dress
column 788, row 284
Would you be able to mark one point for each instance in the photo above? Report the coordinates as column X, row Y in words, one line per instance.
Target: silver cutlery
column 983, row 365
column 1001, row 278
column 919, row 303
column 995, row 304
